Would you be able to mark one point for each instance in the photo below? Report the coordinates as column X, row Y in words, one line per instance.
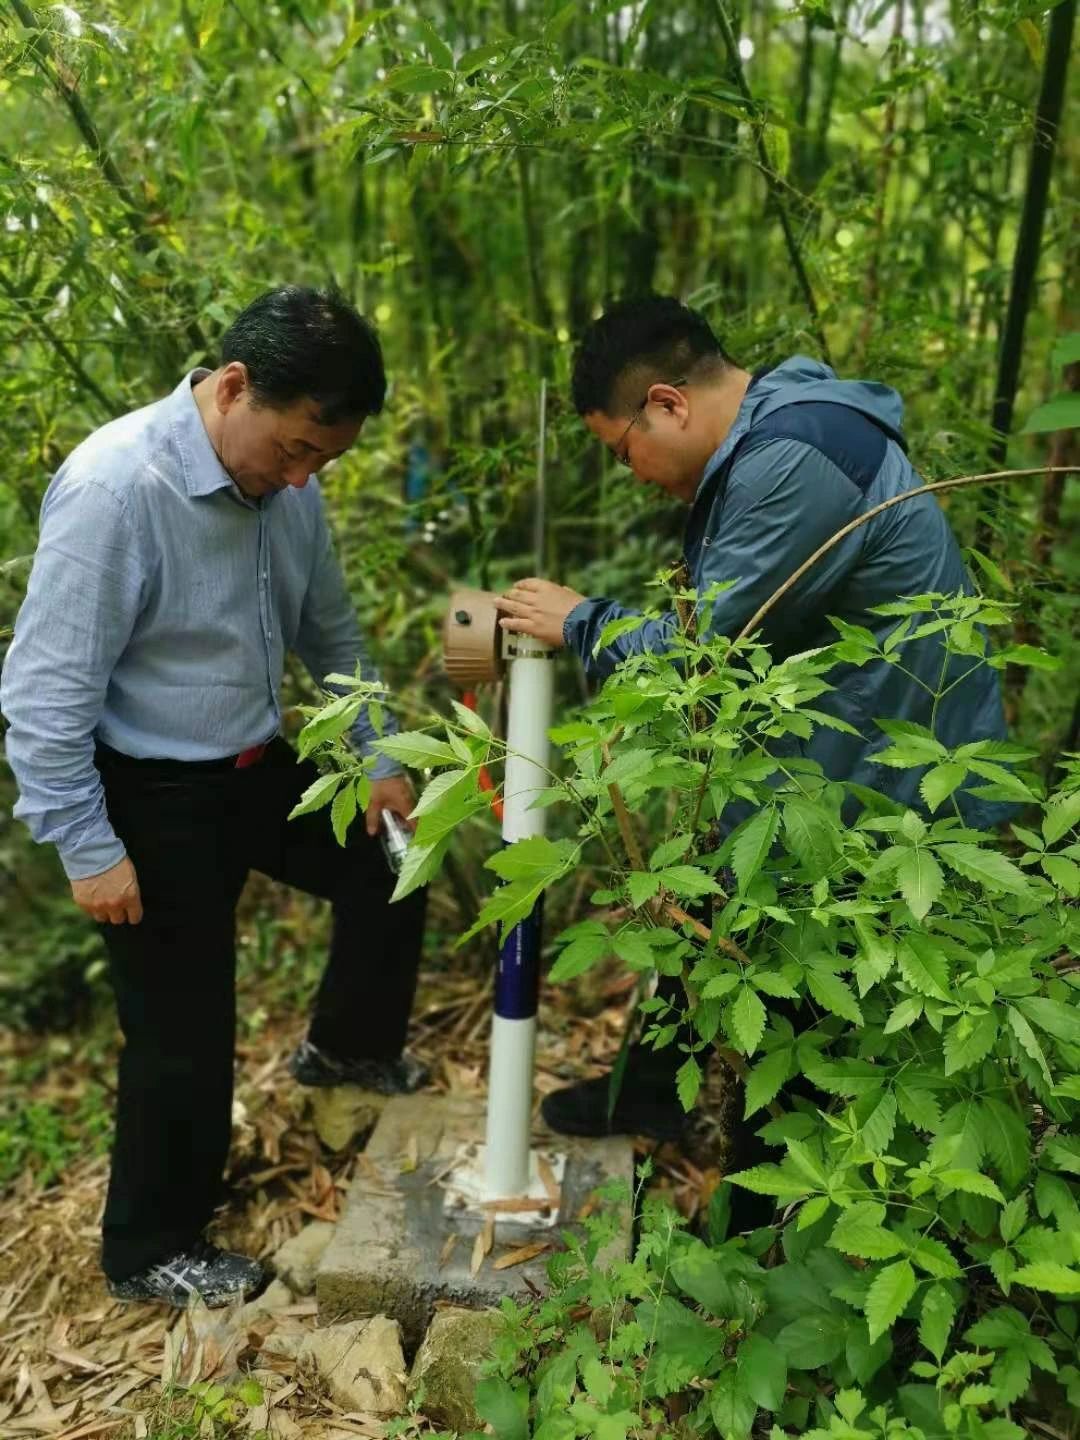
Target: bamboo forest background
column 866, row 181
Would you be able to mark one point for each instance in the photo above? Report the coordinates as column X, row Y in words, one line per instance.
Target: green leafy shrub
column 923, row 1271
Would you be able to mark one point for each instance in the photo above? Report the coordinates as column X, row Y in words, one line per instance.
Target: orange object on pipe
column 468, row 699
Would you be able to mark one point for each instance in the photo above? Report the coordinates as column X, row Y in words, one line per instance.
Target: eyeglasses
column 622, row 457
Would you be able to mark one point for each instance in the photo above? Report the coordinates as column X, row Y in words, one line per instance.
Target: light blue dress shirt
column 160, row 608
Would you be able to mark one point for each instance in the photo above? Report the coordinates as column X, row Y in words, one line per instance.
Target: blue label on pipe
column 517, row 983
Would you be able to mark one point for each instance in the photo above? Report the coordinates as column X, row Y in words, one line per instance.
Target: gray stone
column 298, row 1259
column 360, row 1364
column 397, row 1249
column 448, row 1365
column 276, row 1297
column 283, row 1344
column 342, row 1112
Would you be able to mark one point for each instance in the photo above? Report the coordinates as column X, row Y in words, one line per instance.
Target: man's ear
column 232, row 382
column 673, row 400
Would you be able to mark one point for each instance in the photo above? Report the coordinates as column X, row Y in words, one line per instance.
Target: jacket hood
column 799, row 380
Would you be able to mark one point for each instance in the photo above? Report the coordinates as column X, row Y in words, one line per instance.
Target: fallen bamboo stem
column 993, row 477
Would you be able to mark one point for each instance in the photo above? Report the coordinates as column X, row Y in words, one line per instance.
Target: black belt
column 168, row 765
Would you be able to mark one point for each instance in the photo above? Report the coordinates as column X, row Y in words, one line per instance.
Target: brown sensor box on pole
column 472, row 638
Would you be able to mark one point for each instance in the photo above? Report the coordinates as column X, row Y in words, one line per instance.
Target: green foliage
column 209, row 1410
column 42, row 1139
column 477, row 178
column 935, row 1191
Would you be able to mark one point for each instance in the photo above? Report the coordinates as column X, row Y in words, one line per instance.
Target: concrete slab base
column 399, row 1247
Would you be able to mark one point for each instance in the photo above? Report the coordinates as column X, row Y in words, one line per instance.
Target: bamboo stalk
column 885, row 156
column 771, row 178
column 1048, row 112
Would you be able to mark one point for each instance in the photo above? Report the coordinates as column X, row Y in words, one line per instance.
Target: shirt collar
column 203, row 471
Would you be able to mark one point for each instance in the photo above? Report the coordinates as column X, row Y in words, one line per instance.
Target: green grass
column 44, row 1137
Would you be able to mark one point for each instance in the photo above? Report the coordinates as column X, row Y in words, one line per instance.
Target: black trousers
column 193, row 834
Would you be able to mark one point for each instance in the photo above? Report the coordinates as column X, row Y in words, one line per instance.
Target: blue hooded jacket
column 808, row 453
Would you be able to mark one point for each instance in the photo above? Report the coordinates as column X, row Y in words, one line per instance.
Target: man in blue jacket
column 771, row 464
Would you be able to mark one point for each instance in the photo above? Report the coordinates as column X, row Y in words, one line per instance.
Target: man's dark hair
column 298, row 341
column 638, row 342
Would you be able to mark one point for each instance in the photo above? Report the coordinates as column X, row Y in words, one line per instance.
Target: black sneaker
column 217, row 1277
column 401, row 1076
column 647, row 1103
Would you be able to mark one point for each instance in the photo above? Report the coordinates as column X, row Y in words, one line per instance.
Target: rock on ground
column 448, row 1365
column 298, row 1259
column 342, row 1112
column 361, row 1364
column 276, row 1297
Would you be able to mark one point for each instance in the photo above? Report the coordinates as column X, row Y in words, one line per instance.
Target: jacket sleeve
column 85, row 593
column 585, row 623
column 329, row 639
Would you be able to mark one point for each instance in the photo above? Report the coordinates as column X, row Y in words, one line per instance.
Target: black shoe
column 216, row 1276
column 401, row 1076
column 647, row 1103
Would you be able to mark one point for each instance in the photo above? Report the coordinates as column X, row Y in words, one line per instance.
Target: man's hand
column 111, row 898
column 394, row 793
column 538, row 608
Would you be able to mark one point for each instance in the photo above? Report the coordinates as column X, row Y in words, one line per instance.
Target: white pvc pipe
column 532, row 685
column 513, row 1030
column 509, row 1113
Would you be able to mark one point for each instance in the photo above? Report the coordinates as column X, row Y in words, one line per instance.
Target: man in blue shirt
column 771, row 465
column 183, row 552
